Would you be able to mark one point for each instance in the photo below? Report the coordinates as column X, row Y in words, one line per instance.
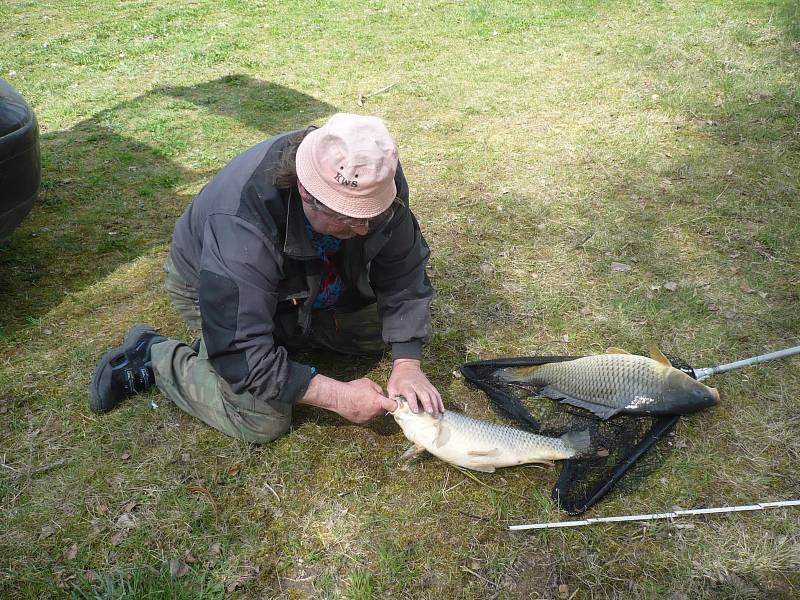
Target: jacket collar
column 297, row 245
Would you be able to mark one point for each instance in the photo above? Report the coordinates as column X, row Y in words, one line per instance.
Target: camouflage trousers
column 188, row 379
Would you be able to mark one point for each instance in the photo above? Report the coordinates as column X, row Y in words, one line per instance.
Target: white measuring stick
column 654, row 516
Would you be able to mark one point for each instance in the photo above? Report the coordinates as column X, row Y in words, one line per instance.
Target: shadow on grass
column 790, row 18
column 107, row 196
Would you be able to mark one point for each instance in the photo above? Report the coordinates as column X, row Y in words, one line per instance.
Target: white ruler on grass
column 655, row 516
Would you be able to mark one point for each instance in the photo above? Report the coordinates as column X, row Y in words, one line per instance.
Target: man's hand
column 357, row 401
column 408, row 380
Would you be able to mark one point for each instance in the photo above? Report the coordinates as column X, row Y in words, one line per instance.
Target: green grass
column 665, row 131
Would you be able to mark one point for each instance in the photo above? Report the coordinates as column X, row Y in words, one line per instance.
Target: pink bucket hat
column 348, row 164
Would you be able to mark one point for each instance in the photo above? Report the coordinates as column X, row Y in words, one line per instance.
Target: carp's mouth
column 715, row 395
column 401, row 403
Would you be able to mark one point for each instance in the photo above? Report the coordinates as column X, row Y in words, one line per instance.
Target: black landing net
column 624, row 444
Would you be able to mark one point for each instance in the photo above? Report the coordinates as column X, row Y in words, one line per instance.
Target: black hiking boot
column 124, row 370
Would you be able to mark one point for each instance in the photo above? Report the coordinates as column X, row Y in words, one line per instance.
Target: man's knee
column 265, row 434
column 256, row 423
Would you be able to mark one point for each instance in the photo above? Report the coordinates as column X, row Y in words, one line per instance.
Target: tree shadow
column 114, row 184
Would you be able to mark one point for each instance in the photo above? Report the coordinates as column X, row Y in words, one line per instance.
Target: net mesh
column 620, row 446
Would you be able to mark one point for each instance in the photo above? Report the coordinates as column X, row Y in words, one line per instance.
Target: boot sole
column 96, row 404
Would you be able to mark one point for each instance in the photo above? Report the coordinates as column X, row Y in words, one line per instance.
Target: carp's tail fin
column 526, row 374
column 579, row 441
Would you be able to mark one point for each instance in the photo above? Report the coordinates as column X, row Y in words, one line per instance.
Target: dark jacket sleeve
column 239, row 273
column 401, row 284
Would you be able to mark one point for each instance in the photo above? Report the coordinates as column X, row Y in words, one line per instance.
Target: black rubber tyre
column 20, row 161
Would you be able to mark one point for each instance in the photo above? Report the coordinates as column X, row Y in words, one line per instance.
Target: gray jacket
column 242, row 244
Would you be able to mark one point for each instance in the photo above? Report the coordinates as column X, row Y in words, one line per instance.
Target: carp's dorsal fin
column 615, row 350
column 492, row 452
column 658, row 356
column 413, row 451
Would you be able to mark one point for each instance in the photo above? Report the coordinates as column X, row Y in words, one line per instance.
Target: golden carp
column 617, row 382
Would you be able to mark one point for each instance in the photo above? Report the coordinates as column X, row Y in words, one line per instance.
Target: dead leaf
column 178, row 568
column 46, row 532
column 487, row 268
column 671, row 286
column 234, row 470
column 64, row 579
column 246, row 572
column 586, row 311
column 563, row 591
column 71, row 552
column 126, row 521
column 730, row 314
column 602, row 452
column 746, row 288
column 125, row 455
column 130, row 506
column 117, row 538
column 620, row 267
column 565, row 338
column 189, row 557
column 215, row 549
column 97, row 527
column 102, row 509
column 713, row 307
column 185, row 457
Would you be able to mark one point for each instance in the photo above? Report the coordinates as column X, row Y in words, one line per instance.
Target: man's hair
column 286, row 173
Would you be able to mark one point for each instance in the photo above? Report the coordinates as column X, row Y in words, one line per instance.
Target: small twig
column 199, row 489
column 494, row 489
column 454, row 486
column 583, row 241
column 481, row 577
column 269, row 487
column 363, row 97
column 725, row 189
column 50, row 467
column 471, row 516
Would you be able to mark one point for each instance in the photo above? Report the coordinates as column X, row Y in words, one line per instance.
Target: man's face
column 328, row 222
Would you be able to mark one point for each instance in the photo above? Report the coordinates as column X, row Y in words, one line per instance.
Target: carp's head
column 415, row 425
column 686, row 395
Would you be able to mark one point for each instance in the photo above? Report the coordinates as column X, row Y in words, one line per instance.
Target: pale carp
column 481, row 445
column 617, row 382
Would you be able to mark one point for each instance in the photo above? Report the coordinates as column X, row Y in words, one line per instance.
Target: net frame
column 583, row 481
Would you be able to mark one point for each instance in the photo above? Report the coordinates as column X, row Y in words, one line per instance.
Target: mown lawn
column 543, row 142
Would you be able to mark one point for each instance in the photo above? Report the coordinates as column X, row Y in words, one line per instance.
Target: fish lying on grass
column 617, row 382
column 480, row 445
